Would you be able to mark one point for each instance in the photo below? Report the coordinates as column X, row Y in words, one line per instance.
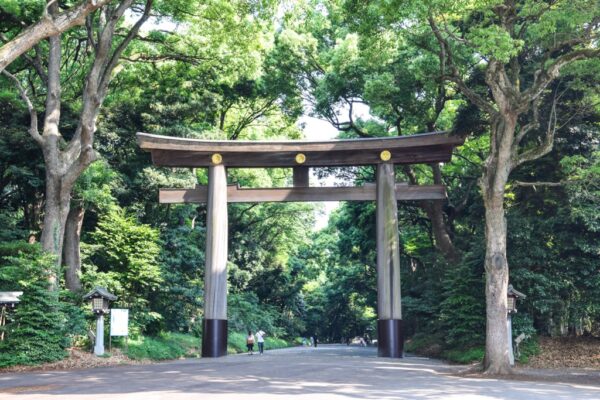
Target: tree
column 523, row 45
column 64, row 163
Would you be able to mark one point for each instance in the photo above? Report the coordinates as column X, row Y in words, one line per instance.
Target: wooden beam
column 411, row 155
column 300, row 194
column 181, row 152
column 157, row 142
column 301, row 176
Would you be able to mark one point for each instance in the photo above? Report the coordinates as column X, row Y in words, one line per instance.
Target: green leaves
column 37, row 329
column 495, row 42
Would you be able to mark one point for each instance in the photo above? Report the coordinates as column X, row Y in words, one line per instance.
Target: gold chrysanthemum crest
column 216, row 158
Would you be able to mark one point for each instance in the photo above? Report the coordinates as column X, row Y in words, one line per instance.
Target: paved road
column 328, row 372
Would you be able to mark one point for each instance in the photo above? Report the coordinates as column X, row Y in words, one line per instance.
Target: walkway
column 328, row 372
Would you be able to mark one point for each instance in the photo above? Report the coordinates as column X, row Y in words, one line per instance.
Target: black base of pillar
column 390, row 335
column 214, row 338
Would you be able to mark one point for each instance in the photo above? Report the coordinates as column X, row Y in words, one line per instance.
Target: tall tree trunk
column 440, row 228
column 495, row 175
column 71, row 248
column 56, row 209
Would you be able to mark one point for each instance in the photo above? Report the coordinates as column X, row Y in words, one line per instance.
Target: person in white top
column 260, row 340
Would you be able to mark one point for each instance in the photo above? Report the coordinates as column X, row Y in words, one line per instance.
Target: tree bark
column 495, row 176
column 56, row 209
column 71, row 248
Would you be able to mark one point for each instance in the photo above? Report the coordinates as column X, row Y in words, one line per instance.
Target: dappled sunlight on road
column 328, row 372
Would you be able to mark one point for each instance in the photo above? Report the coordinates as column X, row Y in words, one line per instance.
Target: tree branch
column 546, row 146
column 45, row 28
column 454, row 75
column 33, row 126
column 551, row 184
column 124, row 43
column 543, row 77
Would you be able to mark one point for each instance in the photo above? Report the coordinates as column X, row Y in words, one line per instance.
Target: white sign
column 119, row 320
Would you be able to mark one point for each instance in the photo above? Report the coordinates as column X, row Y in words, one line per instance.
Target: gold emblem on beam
column 385, row 155
column 300, row 158
column 216, row 158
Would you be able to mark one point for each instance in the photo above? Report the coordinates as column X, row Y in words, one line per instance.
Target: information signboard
column 119, row 321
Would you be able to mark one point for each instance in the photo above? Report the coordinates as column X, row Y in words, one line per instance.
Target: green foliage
column 167, row 346
column 465, row 356
column 123, row 257
column 41, row 326
column 245, row 313
column 462, row 312
column 180, row 296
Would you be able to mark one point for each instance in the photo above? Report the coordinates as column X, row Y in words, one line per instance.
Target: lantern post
column 100, row 299
column 511, row 307
column 8, row 300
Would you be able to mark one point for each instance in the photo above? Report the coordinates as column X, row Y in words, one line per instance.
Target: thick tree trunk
column 71, row 248
column 493, row 181
column 56, row 209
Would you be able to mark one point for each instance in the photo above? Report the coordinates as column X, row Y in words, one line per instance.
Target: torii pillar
column 389, row 308
column 214, row 332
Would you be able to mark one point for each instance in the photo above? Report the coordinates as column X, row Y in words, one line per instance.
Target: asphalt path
column 327, row 372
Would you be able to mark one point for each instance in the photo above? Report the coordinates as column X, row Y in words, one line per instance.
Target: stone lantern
column 511, row 307
column 8, row 300
column 100, row 299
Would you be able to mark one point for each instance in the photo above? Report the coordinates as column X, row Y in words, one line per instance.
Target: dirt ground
column 583, row 352
column 79, row 359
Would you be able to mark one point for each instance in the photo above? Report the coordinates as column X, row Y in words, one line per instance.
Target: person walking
column 250, row 343
column 260, row 339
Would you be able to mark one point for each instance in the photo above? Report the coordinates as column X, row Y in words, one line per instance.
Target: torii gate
column 217, row 156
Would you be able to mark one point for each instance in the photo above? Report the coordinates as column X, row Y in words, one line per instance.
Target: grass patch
column 434, row 346
column 465, row 356
column 167, row 346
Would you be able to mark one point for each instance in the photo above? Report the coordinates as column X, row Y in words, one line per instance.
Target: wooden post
column 214, row 337
column 301, row 177
column 389, row 310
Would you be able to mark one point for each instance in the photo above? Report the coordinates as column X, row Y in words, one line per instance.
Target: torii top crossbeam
column 415, row 149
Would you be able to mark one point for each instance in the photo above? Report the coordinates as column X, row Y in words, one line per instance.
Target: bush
column 164, row 347
column 38, row 330
column 465, row 356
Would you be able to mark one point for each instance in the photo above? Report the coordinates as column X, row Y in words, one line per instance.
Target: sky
column 318, row 129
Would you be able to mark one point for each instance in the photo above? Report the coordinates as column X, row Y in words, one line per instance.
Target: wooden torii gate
column 217, row 156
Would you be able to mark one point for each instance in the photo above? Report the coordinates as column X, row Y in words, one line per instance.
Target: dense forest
column 78, row 198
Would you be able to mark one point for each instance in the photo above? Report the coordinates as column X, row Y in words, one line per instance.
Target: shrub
column 37, row 331
column 164, row 347
column 465, row 356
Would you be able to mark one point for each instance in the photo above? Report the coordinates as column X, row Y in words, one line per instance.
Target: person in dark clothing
column 250, row 342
